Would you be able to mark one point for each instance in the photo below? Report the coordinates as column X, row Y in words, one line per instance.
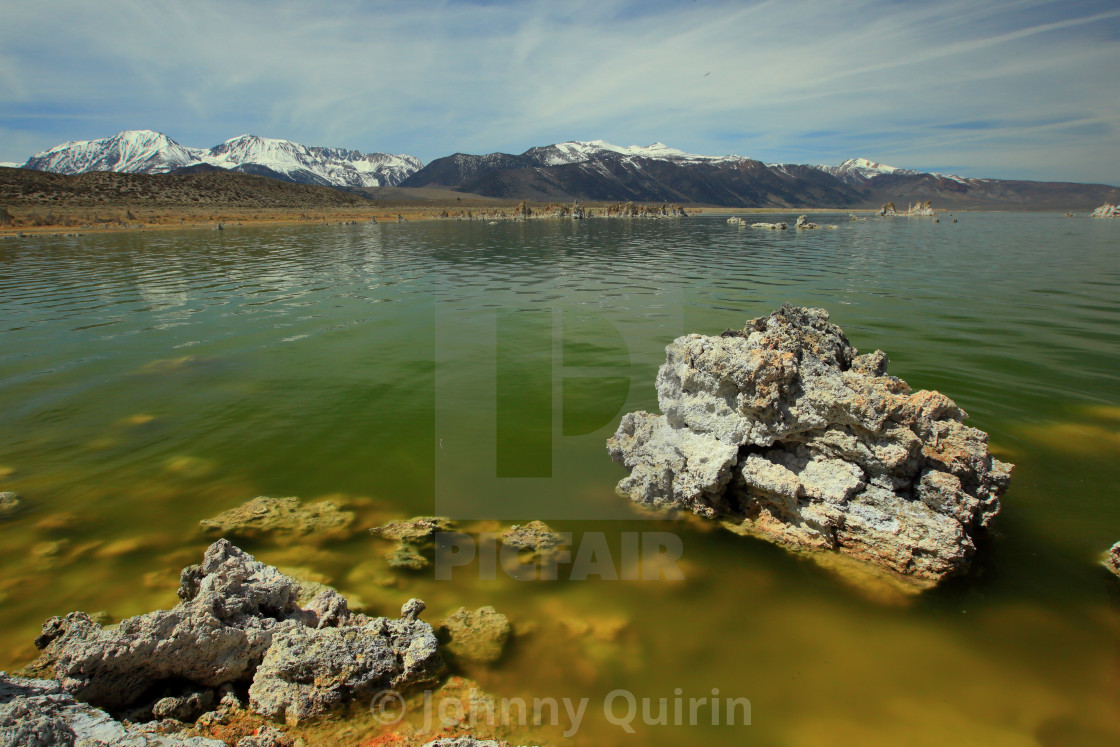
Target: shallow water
column 150, row 380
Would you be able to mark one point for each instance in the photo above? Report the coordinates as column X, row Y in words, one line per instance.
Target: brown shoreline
column 30, row 220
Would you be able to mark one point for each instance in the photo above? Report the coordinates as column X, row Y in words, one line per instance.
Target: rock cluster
column 1107, row 211
column 40, row 713
column 921, row 209
column 781, row 226
column 634, row 210
column 238, row 623
column 781, row 430
column 803, row 222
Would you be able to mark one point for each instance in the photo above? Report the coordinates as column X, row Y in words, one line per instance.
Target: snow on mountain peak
column 579, row 151
column 150, row 152
column 859, row 171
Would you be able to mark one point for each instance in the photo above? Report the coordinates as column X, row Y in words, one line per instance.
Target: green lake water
column 151, row 380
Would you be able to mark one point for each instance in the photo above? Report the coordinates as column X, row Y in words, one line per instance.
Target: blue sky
column 1011, row 89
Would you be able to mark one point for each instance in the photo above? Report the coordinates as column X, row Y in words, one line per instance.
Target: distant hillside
column 26, row 188
column 599, row 171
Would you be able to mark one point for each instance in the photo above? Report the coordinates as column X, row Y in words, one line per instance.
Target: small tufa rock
column 10, row 504
column 266, row 736
column 412, row 537
column 1112, row 559
column 536, row 536
column 186, row 708
column 411, row 609
column 475, row 635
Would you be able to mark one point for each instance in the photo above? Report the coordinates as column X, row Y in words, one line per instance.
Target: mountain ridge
column 597, row 170
column 594, row 170
column 151, row 152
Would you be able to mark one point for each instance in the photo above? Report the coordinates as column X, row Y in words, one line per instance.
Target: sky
column 1022, row 89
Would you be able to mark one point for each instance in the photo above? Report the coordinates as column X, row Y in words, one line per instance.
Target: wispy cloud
column 795, row 80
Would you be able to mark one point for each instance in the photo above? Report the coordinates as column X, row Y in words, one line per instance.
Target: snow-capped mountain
column 581, row 151
column 598, row 170
column 859, row 171
column 148, row 152
column 132, row 151
column 336, row 167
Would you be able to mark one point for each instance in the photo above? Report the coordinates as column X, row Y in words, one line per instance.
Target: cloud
column 798, row 80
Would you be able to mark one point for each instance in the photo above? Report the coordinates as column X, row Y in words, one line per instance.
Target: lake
column 149, row 380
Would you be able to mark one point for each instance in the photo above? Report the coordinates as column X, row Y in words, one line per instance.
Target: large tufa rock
column 782, row 431
column 39, row 713
column 239, row 622
column 1107, row 211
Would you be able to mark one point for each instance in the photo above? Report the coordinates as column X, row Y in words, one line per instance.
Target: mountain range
column 596, row 170
column 592, row 170
column 148, row 152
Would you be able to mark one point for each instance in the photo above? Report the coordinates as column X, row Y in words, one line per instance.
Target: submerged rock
column 781, row 430
column 281, row 517
column 535, row 537
column 412, row 536
column 771, row 226
column 239, row 623
column 10, row 504
column 475, row 635
column 40, row 713
column 1112, row 559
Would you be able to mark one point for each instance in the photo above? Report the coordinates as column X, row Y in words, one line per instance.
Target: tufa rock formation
column 1112, row 559
column 10, row 504
column 474, row 635
column 39, row 713
column 921, row 209
column 782, row 431
column 281, row 517
column 1106, row 211
column 414, row 537
column 238, row 624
